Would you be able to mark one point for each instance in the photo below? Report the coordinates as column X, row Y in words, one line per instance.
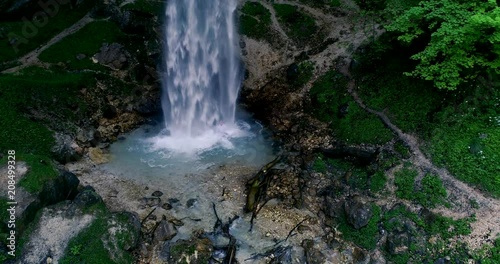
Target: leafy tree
column 462, row 39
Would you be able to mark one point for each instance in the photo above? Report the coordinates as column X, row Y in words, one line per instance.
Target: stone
column 358, row 212
column 98, row 156
column 87, row 197
column 164, row 231
column 313, row 254
column 66, row 149
column 157, row 194
column 112, row 55
column 166, row 206
column 191, row 202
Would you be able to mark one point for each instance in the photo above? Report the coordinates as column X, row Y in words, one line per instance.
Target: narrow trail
column 32, row 57
column 487, row 225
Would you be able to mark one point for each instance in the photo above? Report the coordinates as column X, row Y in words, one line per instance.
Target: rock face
column 66, row 149
column 358, row 212
column 112, row 55
column 164, row 231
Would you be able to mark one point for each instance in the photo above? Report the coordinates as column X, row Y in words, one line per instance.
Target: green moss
column 469, row 148
column 94, row 250
column 365, row 237
column 255, row 20
column 402, row 149
column 87, row 41
column 40, row 171
column 404, row 180
column 328, row 95
column 432, row 191
column 489, row 254
column 298, row 25
column 377, row 181
column 319, row 164
column 11, row 30
column 305, row 73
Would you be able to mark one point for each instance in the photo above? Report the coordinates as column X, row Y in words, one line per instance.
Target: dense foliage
column 459, row 39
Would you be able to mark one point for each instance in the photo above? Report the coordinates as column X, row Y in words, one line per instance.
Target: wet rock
column 358, row 212
column 377, row 257
column 164, row 231
column 166, row 206
column 157, row 194
column 66, row 149
column 86, row 136
column 402, row 233
column 195, row 251
column 191, row 202
column 360, row 256
column 112, row 55
column 176, row 222
column 173, row 201
column 87, row 197
column 313, row 254
column 150, row 201
column 98, row 156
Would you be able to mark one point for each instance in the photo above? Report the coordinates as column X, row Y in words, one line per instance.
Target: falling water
column 203, row 70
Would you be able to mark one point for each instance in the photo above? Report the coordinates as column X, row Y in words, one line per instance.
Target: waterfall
column 203, row 69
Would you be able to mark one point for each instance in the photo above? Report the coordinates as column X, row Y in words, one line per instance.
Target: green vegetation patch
column 404, row 179
column 41, row 93
column 428, row 225
column 255, row 20
column 19, row 37
column 86, row 41
column 469, row 146
column 432, row 191
column 377, row 181
column 298, row 25
column 461, row 126
column 92, row 245
column 332, row 103
column 40, row 171
column 305, row 71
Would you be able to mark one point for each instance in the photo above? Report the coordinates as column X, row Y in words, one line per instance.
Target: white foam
column 218, row 137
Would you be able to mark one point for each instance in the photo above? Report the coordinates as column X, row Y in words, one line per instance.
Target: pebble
column 157, row 194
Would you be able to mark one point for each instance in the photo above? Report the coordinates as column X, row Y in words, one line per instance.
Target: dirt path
column 487, row 226
column 274, row 21
column 32, row 57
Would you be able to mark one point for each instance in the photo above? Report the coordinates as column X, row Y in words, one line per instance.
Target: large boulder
column 358, row 212
column 112, row 55
column 66, row 149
